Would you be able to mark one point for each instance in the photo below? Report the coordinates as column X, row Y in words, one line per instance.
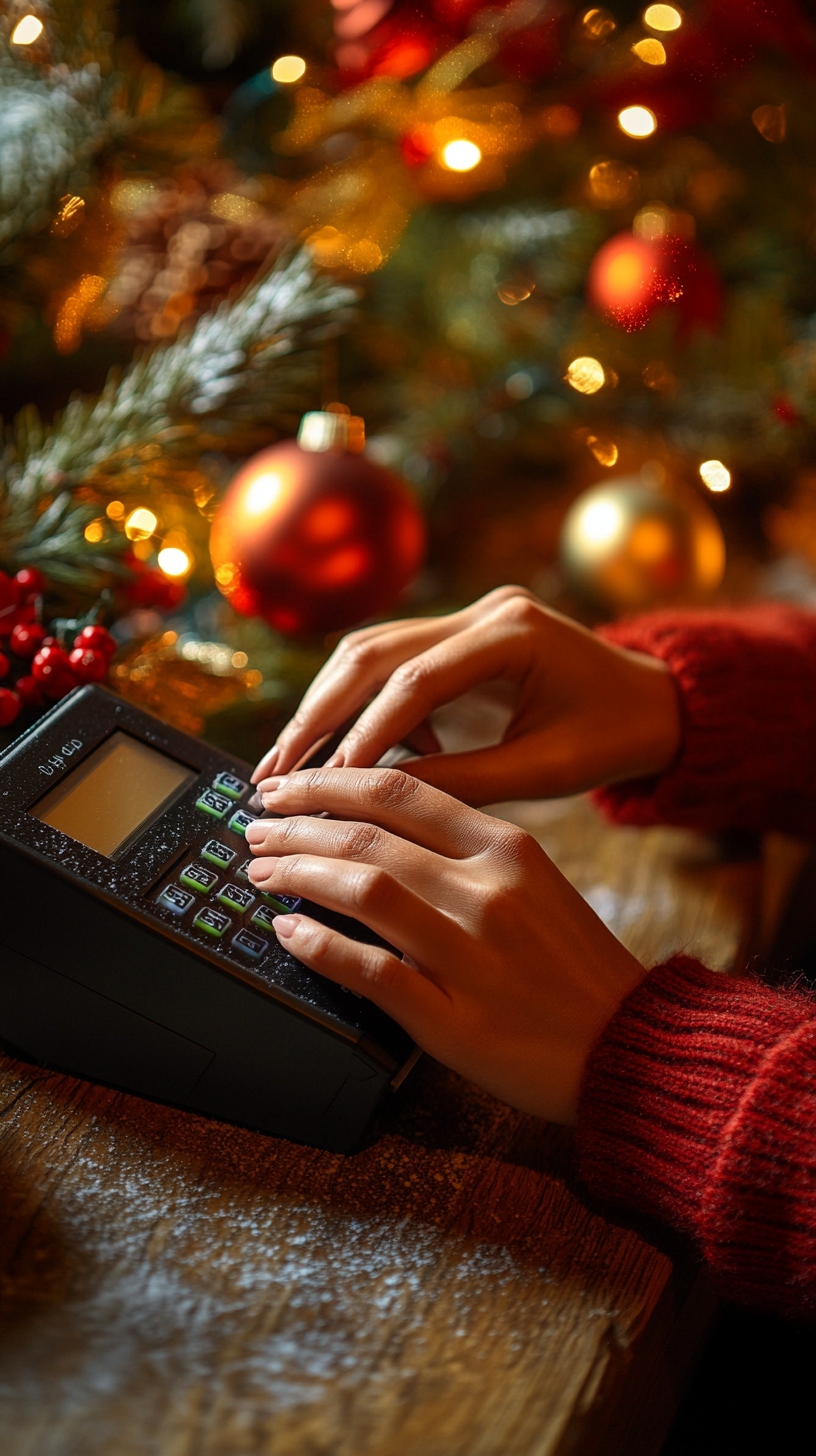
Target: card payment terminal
column 135, row 950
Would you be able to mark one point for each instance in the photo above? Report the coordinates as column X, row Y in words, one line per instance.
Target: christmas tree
column 558, row 258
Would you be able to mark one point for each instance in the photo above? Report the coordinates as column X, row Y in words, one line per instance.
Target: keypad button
column 236, row 897
column 241, row 872
column 213, row 921
column 215, row 804
column 282, row 904
column 251, row 945
column 227, row 783
column 199, row 879
column 218, row 853
column 263, row 917
column 240, row 822
column 174, row 898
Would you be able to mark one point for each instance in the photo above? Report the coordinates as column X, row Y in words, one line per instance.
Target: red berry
column 50, row 662
column 89, row 665
column 26, row 638
column 4, row 665
column 97, row 638
column 29, row 691
column 49, row 642
column 9, row 707
column 30, row 582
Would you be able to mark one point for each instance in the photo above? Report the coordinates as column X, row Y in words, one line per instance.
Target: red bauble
column 97, row 638
column 629, row 278
column 88, row 664
column 315, row 541
column 26, row 638
column 9, row 707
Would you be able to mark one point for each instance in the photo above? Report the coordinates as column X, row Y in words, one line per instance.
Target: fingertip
column 266, row 766
column 285, row 926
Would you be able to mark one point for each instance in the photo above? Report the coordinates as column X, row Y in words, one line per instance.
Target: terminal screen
column 116, row 792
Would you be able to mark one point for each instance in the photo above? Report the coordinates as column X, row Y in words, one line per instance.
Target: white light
column 637, row 121
column 586, row 374
column 715, row 475
column 662, row 17
column 27, row 30
column 600, row 523
column 173, row 561
column 262, row 493
column 461, row 156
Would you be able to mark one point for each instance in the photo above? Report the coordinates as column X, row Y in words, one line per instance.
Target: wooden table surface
column 179, row 1287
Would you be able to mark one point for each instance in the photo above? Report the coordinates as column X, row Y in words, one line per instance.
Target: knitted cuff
column 747, row 684
column 699, row 1106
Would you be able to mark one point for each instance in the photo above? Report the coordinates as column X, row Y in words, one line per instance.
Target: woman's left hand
column 509, row 977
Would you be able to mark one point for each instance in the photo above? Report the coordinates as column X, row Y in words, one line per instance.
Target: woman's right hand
column 586, row 712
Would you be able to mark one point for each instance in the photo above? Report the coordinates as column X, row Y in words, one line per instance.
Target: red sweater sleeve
column 747, row 685
column 699, row 1106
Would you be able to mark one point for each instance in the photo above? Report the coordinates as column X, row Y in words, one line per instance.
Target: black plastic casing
column 96, row 979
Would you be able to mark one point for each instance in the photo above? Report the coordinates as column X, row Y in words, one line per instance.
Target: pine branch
column 250, row 359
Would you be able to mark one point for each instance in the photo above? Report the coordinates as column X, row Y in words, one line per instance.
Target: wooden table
column 177, row 1287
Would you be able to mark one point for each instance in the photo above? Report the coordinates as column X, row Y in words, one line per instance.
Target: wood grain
column 173, row 1285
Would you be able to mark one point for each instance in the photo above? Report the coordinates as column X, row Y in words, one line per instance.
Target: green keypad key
column 213, row 921
column 264, row 916
column 196, row 877
column 227, row 783
column 236, row 897
column 218, row 853
column 240, row 822
column 212, row 803
column 241, row 872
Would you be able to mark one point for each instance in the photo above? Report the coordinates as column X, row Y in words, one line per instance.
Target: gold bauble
column 630, row 547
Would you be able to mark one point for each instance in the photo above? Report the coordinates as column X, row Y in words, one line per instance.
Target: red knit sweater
column 699, row 1101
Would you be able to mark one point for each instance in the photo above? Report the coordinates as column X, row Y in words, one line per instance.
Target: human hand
column 509, row 976
column 586, row 712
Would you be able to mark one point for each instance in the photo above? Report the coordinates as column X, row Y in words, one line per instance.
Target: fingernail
column 261, row 869
column 271, row 785
column 256, row 834
column 285, row 926
column 337, row 760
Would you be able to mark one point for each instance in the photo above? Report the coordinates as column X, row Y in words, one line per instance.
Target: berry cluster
column 53, row 670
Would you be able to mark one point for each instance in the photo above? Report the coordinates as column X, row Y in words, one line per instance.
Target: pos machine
column 135, row 950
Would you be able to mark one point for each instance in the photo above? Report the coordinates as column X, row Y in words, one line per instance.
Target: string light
column 173, row 561
column 650, row 51
column 598, row 24
column 94, row 532
column 715, row 475
column 604, row 450
column 461, row 155
column 140, row 524
column 663, row 17
column 27, row 30
column 288, row 69
column 637, row 121
column 586, row 375
column 115, row 510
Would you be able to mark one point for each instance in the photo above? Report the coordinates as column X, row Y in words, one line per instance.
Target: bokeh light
column 637, row 121
column 27, row 30
column 651, row 51
column 140, row 524
column 663, row 17
column 586, row 375
column 173, row 561
column 288, row 69
column 461, row 155
column 715, row 475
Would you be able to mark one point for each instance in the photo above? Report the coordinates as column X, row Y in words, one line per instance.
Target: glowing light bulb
column 637, row 121
column 715, row 475
column 586, row 375
column 650, row 51
column 600, row 522
column 27, row 30
column 663, row 17
column 262, row 493
column 140, row 524
column 461, row 155
column 173, row 561
column 288, row 69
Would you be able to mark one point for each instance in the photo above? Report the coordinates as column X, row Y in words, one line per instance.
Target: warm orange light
column 461, row 155
column 586, row 375
column 288, row 69
column 94, row 532
column 663, row 17
column 264, row 491
column 140, row 524
column 27, row 30
column 622, row 274
column 604, row 450
column 651, row 51
column 637, row 121
column 114, row 510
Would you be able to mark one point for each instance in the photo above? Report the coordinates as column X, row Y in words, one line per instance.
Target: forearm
column 747, row 689
column 699, row 1106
